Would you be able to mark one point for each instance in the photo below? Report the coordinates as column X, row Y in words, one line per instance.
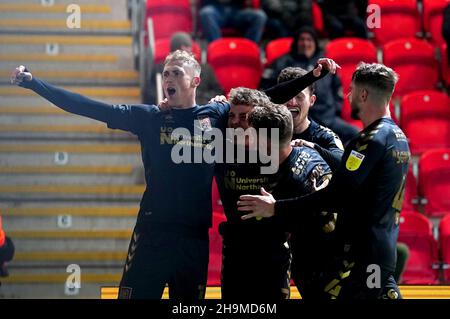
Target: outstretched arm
column 124, row 117
column 283, row 92
column 68, row 101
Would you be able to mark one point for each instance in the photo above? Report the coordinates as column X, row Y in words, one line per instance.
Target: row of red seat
column 402, row 18
column 433, row 184
column 237, row 62
column 408, row 56
column 409, row 20
column 426, row 255
column 181, row 16
column 425, row 118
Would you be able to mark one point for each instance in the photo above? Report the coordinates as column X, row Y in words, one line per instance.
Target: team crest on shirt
column 204, row 123
column 354, row 161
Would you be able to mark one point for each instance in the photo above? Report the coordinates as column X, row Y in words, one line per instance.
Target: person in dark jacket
column 345, row 16
column 238, row 14
column 286, row 16
column 304, row 52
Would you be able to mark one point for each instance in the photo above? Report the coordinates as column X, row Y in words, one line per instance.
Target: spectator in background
column 209, row 86
column 6, row 251
column 343, row 16
column 286, row 16
column 238, row 14
column 446, row 29
column 304, row 53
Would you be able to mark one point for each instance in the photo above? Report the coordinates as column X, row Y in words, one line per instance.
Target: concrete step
column 49, row 291
column 71, row 240
column 67, row 192
column 60, row 258
column 76, row 223
column 121, row 234
column 56, row 49
column 37, row 210
column 23, row 180
column 60, row 24
column 39, row 119
column 38, row 183
column 77, row 148
column 113, row 9
column 99, row 91
column 48, row 159
column 74, row 77
column 63, row 58
column 48, row 131
column 32, row 7
column 77, row 40
column 67, row 169
column 34, row 100
column 69, row 256
column 51, row 283
column 41, row 62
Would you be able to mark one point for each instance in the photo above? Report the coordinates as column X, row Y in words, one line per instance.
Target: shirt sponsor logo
column 205, row 123
column 354, row 161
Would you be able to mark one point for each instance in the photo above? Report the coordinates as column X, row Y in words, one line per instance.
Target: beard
column 355, row 112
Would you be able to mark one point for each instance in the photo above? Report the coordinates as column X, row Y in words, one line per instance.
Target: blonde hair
column 185, row 58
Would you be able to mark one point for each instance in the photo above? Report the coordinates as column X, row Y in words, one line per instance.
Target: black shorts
column 157, row 257
column 254, row 268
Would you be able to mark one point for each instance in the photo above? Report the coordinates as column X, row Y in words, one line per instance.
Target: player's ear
column 195, row 81
column 312, row 100
column 364, row 94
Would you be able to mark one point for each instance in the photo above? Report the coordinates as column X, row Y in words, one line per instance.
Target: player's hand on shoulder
column 20, row 74
column 299, row 142
column 219, row 99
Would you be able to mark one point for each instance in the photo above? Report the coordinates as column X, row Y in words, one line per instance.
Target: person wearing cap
column 304, row 53
column 209, row 86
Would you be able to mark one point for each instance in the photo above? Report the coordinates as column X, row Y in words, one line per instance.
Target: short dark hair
column 273, row 116
column 246, row 96
column 291, row 73
column 376, row 77
column 180, row 39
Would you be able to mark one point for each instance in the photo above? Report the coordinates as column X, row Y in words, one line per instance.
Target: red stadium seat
column 2, row 234
column 236, row 62
column 444, row 242
column 432, row 19
column 399, row 19
column 425, row 119
column 417, row 233
column 169, row 16
column 215, row 250
column 348, row 52
column 434, row 181
column 317, row 17
column 162, row 49
column 415, row 62
column 277, row 48
column 411, row 195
